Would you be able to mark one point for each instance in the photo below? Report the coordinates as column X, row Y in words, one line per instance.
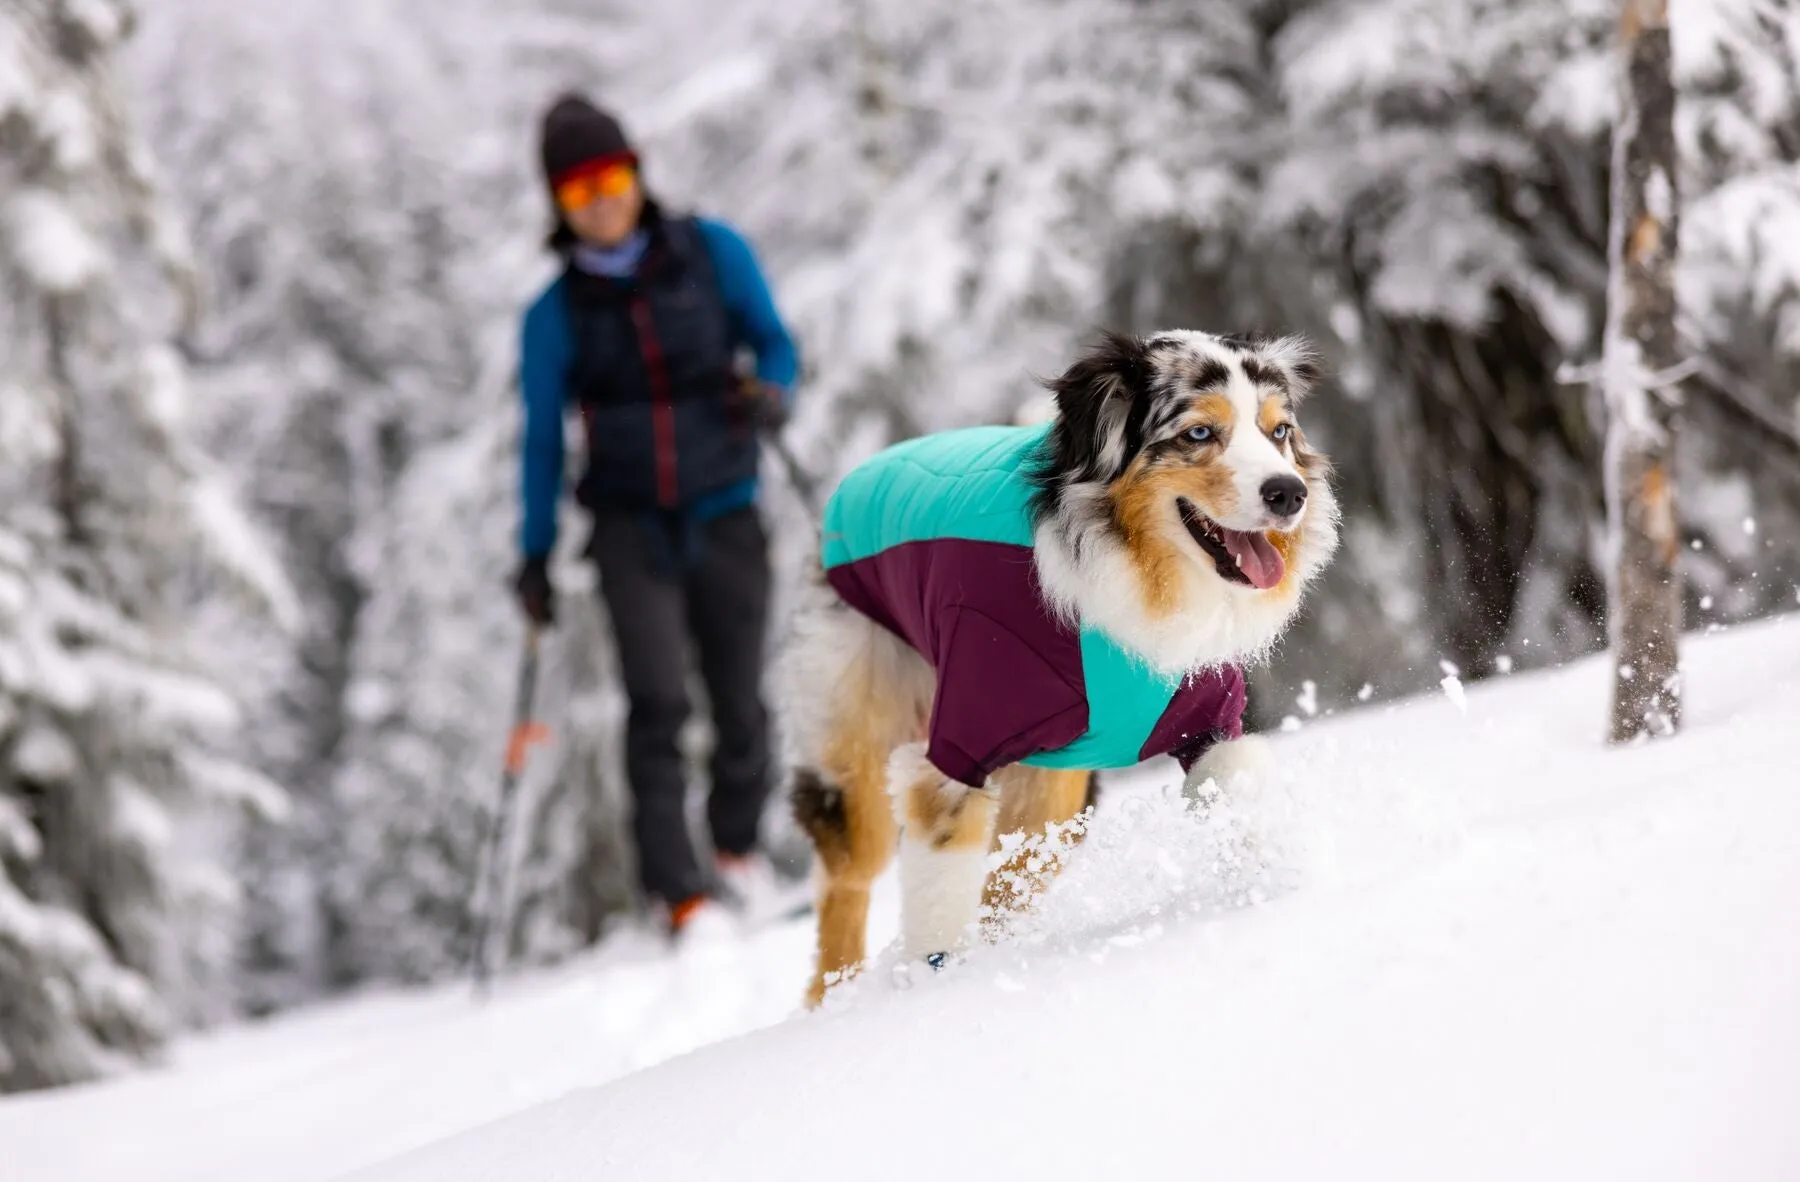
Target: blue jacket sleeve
column 543, row 383
column 754, row 320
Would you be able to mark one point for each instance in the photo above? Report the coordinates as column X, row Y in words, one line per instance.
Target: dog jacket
column 932, row 539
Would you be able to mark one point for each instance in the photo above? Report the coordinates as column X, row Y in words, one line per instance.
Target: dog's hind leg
column 856, row 693
column 1032, row 801
column 947, row 829
column 852, row 828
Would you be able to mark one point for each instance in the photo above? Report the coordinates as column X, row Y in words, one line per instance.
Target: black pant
column 676, row 589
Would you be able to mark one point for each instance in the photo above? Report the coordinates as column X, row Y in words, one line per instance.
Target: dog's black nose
column 1284, row 495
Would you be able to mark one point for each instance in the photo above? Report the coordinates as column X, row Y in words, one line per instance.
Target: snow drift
column 1490, row 948
column 1457, row 937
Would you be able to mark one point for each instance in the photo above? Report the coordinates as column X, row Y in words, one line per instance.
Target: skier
column 641, row 332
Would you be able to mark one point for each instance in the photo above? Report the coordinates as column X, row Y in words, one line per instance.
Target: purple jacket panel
column 1009, row 673
column 1207, row 709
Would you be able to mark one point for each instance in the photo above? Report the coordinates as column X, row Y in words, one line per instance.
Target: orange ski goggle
column 582, row 186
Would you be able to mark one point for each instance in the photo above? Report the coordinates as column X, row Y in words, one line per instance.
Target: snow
column 240, row 550
column 1580, row 94
column 1659, row 195
column 1468, row 943
column 52, row 246
column 1308, row 697
column 224, row 780
column 45, row 755
column 343, row 1085
column 18, row 837
column 706, row 91
column 103, row 20
column 26, row 429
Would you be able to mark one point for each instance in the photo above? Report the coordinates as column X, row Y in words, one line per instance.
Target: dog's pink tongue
column 1261, row 562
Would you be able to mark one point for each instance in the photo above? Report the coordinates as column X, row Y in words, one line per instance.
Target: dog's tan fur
column 874, row 713
column 1141, row 501
column 946, row 816
column 1213, row 410
column 1272, row 413
column 1034, row 801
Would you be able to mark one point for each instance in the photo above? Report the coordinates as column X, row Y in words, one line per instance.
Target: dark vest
column 655, row 378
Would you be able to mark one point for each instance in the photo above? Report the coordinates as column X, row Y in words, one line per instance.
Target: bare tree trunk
column 69, row 497
column 1640, row 357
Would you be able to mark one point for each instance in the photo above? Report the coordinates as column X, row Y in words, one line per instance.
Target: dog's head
column 1178, row 457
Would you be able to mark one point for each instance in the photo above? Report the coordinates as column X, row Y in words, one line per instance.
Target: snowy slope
column 319, row 1092
column 1460, row 939
column 1510, row 954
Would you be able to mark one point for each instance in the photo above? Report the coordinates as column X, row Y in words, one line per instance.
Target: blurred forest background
column 264, row 265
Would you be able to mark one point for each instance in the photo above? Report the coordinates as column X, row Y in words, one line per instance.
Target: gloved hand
column 767, row 403
column 536, row 597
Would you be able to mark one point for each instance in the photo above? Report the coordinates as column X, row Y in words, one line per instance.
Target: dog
column 1005, row 610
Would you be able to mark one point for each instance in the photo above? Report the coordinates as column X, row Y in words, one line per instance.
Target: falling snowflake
column 1308, row 697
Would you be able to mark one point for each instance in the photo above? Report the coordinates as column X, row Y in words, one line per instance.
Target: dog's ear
column 1297, row 360
column 1100, row 402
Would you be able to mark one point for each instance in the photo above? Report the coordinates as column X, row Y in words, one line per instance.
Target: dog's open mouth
column 1242, row 556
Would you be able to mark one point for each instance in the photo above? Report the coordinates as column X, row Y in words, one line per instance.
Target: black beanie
column 575, row 132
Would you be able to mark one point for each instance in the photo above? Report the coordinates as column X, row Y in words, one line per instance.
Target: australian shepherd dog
column 1176, row 508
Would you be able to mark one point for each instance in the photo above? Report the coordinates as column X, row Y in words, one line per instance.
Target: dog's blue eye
column 1198, row 434
column 1281, row 432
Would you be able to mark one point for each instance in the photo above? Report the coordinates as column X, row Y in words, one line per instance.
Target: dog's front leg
column 946, row 831
column 1225, row 764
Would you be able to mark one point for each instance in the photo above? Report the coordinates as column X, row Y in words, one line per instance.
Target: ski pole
column 526, row 731
column 805, row 486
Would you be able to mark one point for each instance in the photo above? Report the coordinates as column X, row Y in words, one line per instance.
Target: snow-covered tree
column 1737, row 70
column 430, row 706
column 114, row 799
column 1446, row 167
column 340, row 344
column 1443, row 163
column 364, row 197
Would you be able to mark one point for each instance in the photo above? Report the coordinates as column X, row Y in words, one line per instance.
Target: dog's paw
column 908, row 972
column 1226, row 764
